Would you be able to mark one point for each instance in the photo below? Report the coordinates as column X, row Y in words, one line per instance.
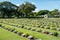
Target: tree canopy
column 9, row 10
column 55, row 12
column 42, row 12
column 26, row 8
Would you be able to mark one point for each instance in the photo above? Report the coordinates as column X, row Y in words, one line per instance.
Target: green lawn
column 6, row 35
column 35, row 34
column 32, row 23
column 49, row 30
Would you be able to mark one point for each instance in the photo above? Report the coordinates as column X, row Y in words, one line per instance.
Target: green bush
column 0, row 25
column 55, row 34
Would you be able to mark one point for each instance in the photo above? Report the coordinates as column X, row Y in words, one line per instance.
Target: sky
column 40, row 4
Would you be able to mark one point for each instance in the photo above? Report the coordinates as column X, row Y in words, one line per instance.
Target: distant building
column 57, row 16
column 44, row 16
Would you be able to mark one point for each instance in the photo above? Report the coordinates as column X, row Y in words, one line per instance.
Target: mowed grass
column 5, row 35
column 49, row 30
column 38, row 22
column 35, row 34
column 27, row 24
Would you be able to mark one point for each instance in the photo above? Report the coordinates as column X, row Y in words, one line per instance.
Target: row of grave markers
column 20, row 33
column 45, row 32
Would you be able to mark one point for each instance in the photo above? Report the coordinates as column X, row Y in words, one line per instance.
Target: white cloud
column 17, row 4
column 33, row 3
column 36, row 10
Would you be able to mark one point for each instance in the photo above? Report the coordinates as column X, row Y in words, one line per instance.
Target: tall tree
column 42, row 12
column 7, row 8
column 54, row 12
column 26, row 8
column 33, row 14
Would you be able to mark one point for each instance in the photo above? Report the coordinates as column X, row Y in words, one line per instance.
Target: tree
column 7, row 8
column 26, row 8
column 33, row 14
column 54, row 12
column 42, row 12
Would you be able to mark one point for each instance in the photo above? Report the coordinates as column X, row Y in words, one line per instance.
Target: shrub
column 22, row 26
column 55, row 34
column 27, row 35
column 0, row 25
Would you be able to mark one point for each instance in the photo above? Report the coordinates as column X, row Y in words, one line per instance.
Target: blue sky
column 40, row 4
